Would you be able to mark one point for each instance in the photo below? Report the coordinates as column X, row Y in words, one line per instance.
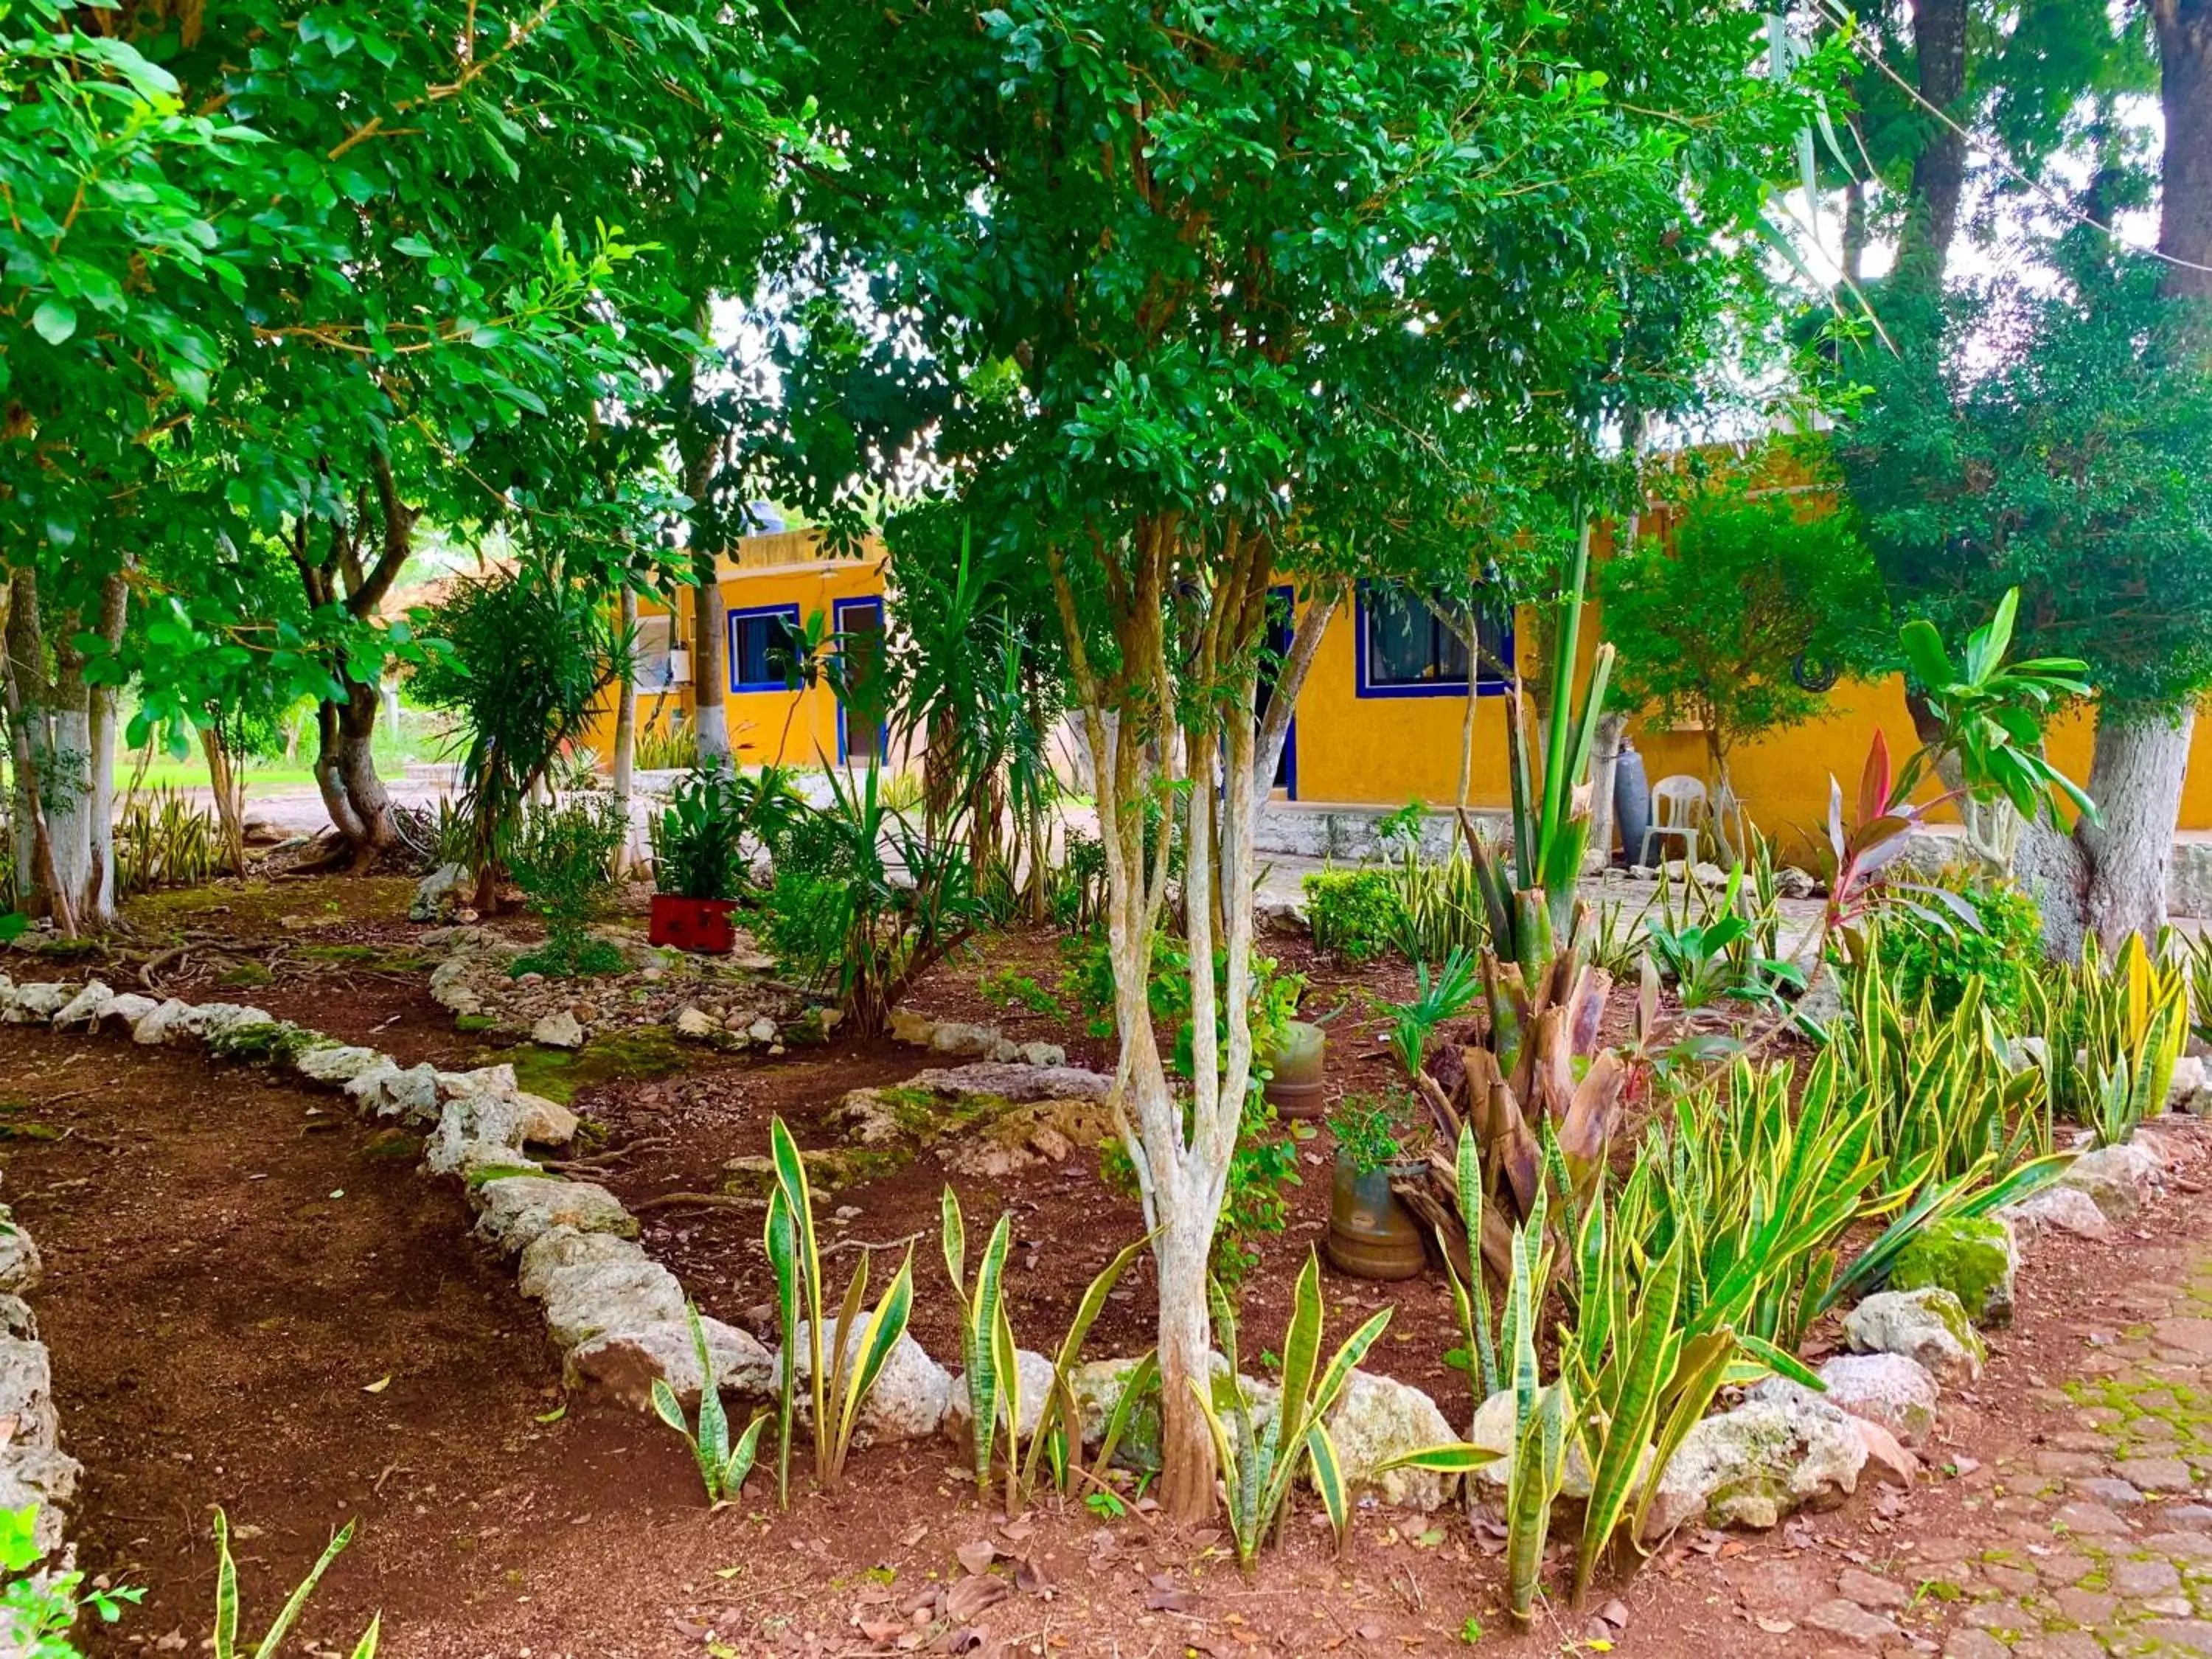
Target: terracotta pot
column 691, row 924
column 1371, row 1234
column 1294, row 1089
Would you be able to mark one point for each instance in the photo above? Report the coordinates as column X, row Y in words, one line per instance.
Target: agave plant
column 723, row 1466
column 1261, row 1463
column 2112, row 1033
column 842, row 1389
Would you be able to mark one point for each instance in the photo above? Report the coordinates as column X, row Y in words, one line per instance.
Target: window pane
column 1451, row 653
column 760, row 648
column 1399, row 639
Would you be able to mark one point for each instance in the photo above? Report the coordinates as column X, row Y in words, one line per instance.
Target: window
column 761, row 651
column 654, row 656
column 1408, row 650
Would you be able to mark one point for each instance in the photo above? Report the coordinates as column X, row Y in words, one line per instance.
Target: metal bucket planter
column 1371, row 1234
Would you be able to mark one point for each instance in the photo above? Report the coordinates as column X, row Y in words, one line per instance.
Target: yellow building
column 1379, row 720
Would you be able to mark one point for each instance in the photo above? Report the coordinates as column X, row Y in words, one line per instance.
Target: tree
column 1743, row 624
column 2069, row 468
column 1242, row 264
column 347, row 307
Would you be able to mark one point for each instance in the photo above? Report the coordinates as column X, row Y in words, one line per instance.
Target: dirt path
column 228, row 1278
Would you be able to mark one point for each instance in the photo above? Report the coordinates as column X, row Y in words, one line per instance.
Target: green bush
column 1926, row 957
column 1357, row 914
column 559, row 856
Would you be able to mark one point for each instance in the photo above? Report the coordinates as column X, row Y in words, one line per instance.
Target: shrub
column 559, row 855
column 1370, row 1132
column 1357, row 914
column 1927, row 957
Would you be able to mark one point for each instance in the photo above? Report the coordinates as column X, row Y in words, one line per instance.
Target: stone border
column 34, row 1468
column 618, row 1317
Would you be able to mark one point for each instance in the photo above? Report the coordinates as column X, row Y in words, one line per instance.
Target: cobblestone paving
column 2092, row 1540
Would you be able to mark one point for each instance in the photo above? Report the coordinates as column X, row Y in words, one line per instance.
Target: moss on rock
column 1973, row 1257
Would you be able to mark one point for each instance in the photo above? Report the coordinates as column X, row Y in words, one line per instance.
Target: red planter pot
column 689, row 924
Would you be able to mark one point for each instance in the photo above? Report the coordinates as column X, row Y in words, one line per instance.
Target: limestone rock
column 450, row 988
column 762, row 1030
column 559, row 1249
column 909, row 1402
column 1047, row 1056
column 515, row 1211
column 19, row 1265
column 2187, row 1083
column 337, row 1064
column 623, row 1364
column 698, row 1025
column 1035, row 1370
column 1927, row 1326
column 87, row 1007
column 26, row 1392
column 152, row 1029
column 2117, row 1177
column 589, row 1298
column 17, row 1319
column 126, row 1007
column 1377, row 1419
column 1973, row 1257
column 2056, row 1208
column 1886, row 1388
column 35, row 1003
column 907, row 1026
column 1013, row 1081
column 212, row 1020
column 43, row 1476
column 1755, row 1465
column 440, row 894
column 558, row 1030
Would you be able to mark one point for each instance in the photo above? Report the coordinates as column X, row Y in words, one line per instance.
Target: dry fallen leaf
column 977, row 1556
column 971, row 1595
column 379, row 1386
column 1775, row 1626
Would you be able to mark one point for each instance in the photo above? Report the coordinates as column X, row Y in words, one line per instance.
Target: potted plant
column 1371, row 1234
column 698, row 866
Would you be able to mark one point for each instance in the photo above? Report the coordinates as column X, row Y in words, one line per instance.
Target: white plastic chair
column 1679, row 806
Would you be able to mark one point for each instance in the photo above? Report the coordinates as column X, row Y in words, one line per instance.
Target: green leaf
column 55, row 321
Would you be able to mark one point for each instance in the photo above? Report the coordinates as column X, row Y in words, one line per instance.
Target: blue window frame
column 860, row 624
column 1404, row 648
column 760, row 646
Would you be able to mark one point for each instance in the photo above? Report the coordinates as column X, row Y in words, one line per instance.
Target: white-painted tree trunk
column 625, row 755
column 2109, row 877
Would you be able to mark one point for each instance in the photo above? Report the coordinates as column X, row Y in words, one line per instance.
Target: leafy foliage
column 526, row 656
column 1735, row 626
column 1931, row 957
column 1355, row 913
column 559, row 855
column 38, row 1610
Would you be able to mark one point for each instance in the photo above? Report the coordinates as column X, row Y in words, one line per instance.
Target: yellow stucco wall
column 760, row 720
column 1380, row 749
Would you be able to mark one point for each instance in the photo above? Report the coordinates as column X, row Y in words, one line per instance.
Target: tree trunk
column 1185, row 1350
column 1283, row 699
column 699, row 451
column 99, row 893
column 1939, row 170
column 2184, row 235
column 230, row 794
column 345, row 772
column 40, row 889
column 625, row 755
column 1605, row 763
column 2110, row 878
